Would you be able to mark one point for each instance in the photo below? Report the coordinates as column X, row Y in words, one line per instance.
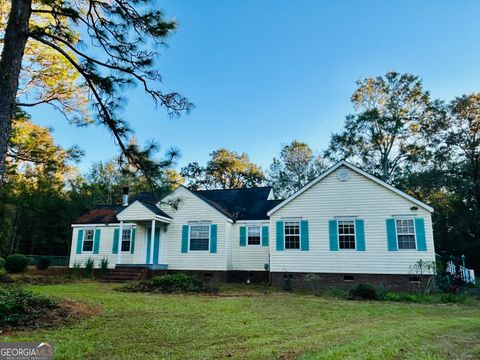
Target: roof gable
column 237, row 204
column 357, row 170
column 241, row 204
column 142, row 208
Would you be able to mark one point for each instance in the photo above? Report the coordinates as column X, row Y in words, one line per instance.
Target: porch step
column 124, row 274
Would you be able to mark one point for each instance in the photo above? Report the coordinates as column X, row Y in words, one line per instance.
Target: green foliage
column 2, row 263
column 296, row 166
column 16, row 263
column 287, row 284
column 364, row 292
column 89, row 266
column 20, row 307
column 103, row 266
column 225, row 170
column 43, row 263
column 313, row 281
column 177, row 283
column 446, row 298
column 387, row 134
column 4, row 277
column 76, row 269
column 171, row 283
column 217, row 326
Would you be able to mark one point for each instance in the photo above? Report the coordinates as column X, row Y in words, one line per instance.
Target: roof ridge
column 244, row 188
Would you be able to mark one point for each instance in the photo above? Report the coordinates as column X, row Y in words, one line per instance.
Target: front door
column 156, row 245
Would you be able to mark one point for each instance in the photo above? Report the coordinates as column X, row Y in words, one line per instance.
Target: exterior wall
column 396, row 282
column 358, row 196
column 192, row 208
column 105, row 248
column 229, row 228
column 249, row 257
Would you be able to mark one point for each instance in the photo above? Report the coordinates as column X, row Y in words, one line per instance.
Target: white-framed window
column 199, row 237
column 292, row 234
column 346, row 234
column 126, row 238
column 406, row 234
column 254, row 235
column 88, row 240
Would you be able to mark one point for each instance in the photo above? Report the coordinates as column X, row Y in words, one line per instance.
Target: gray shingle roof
column 240, row 204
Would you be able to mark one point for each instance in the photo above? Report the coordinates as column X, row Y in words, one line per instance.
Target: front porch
column 142, row 224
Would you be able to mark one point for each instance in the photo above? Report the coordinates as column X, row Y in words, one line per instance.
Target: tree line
column 426, row 147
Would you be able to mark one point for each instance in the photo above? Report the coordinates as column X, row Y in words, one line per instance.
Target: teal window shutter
column 280, row 240
column 96, row 241
column 420, row 234
column 360, row 235
column 243, row 236
column 264, row 235
column 391, row 235
column 185, row 239
column 116, row 235
column 304, row 246
column 79, row 241
column 333, row 235
column 132, row 243
column 213, row 238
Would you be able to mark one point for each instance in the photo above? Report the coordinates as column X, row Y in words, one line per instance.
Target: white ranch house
column 345, row 226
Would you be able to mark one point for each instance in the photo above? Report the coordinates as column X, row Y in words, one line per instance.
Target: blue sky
column 263, row 73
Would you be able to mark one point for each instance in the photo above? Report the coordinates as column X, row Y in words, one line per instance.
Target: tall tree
column 296, row 166
column 226, row 170
column 462, row 138
column 391, row 126
column 36, row 190
column 108, row 44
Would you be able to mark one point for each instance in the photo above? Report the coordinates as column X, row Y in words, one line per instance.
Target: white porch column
column 152, row 237
column 119, row 256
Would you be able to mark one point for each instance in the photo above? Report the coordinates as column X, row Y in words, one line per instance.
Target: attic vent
column 343, row 175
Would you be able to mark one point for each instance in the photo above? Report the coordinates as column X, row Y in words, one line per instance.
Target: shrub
column 43, row 263
column 2, row 263
column 287, row 282
column 19, row 307
column 104, row 267
column 167, row 284
column 4, row 277
column 313, row 281
column 76, row 271
column 89, row 265
column 363, row 291
column 177, row 283
column 16, row 263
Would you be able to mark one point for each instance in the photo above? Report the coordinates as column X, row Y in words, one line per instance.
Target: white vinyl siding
column 367, row 200
column 105, row 248
column 191, row 209
column 248, row 258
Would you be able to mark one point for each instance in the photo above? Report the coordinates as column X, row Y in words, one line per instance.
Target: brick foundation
column 346, row 281
column 222, row 276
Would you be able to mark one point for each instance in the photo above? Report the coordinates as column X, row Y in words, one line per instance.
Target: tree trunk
column 16, row 36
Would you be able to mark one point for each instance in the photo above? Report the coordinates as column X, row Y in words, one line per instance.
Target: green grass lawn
column 257, row 326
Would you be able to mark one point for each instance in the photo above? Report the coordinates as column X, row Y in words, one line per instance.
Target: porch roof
column 107, row 214
column 141, row 210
